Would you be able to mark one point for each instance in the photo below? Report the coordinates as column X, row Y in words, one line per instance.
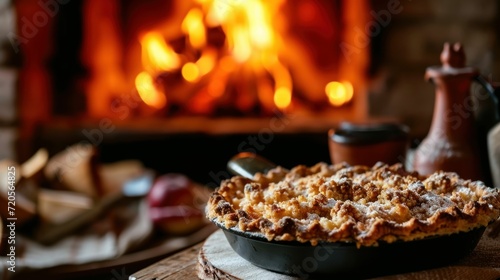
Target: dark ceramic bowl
column 366, row 144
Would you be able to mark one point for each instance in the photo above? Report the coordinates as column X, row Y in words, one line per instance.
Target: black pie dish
column 345, row 260
column 340, row 259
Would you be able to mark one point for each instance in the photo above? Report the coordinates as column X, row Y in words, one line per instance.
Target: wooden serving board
column 217, row 260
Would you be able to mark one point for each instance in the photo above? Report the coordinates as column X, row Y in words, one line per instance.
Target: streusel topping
column 358, row 204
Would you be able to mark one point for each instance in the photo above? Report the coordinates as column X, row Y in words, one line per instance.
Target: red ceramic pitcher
column 452, row 142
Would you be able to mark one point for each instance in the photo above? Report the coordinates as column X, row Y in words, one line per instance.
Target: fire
column 283, row 81
column 195, row 29
column 156, row 54
column 250, row 39
column 253, row 49
column 282, row 98
column 147, row 91
column 190, row 72
column 207, row 61
column 339, row 93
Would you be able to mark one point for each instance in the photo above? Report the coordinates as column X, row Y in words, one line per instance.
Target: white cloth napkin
column 122, row 230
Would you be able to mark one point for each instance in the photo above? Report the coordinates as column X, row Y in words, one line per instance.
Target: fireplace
column 214, row 58
column 221, row 58
column 168, row 69
column 160, row 69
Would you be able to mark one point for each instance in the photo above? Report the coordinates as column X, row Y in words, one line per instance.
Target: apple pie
column 356, row 204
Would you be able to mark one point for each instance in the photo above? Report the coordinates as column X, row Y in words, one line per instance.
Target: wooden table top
column 179, row 266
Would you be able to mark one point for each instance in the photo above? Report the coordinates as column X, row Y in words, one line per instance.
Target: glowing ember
column 339, row 93
column 190, row 72
column 147, row 91
column 282, row 98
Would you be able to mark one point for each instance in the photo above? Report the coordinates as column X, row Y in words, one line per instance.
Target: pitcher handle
column 492, row 91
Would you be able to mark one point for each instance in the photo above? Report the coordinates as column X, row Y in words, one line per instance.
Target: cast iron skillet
column 339, row 259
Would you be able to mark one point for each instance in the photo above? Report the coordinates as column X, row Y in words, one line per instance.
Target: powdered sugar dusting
column 357, row 203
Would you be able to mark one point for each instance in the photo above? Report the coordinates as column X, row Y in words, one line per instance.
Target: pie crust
column 356, row 204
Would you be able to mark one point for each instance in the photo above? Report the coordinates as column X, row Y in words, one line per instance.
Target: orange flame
column 282, row 98
column 148, row 92
column 252, row 38
column 253, row 42
column 190, row 72
column 207, row 61
column 248, row 26
column 193, row 26
column 339, row 93
column 156, row 54
column 283, row 81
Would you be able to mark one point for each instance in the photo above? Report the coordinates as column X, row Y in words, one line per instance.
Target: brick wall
column 8, row 83
column 413, row 40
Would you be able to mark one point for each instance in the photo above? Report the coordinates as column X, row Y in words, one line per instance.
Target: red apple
column 172, row 204
column 178, row 220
